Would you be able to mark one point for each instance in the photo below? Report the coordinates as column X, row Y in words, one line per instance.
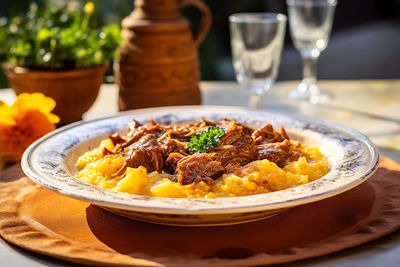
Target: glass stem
column 255, row 101
column 309, row 70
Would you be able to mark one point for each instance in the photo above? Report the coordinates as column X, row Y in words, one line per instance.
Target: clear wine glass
column 256, row 42
column 310, row 24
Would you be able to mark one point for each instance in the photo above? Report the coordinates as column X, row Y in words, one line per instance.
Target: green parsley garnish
column 201, row 142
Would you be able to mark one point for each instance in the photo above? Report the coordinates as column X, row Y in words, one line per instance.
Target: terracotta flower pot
column 74, row 90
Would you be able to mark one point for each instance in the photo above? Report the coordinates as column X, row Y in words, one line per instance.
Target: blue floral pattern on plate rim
column 352, row 157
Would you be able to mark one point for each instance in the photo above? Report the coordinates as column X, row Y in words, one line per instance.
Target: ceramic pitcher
column 159, row 63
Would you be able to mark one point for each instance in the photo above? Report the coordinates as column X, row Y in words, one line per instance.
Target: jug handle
column 205, row 21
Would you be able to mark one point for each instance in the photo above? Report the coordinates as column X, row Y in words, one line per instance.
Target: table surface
column 370, row 106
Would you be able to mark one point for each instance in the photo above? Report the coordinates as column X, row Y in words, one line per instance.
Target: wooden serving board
column 40, row 220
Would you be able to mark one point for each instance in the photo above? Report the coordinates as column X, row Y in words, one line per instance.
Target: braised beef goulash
column 165, row 148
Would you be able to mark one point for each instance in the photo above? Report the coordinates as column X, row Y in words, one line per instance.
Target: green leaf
column 44, row 34
column 54, row 38
column 201, row 142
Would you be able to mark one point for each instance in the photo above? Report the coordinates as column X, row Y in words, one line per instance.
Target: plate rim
column 375, row 159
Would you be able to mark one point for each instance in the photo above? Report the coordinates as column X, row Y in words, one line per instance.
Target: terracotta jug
column 159, row 63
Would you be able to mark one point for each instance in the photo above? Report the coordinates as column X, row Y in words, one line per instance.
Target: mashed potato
column 260, row 176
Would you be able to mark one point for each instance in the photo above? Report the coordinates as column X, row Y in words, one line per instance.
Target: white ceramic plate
column 50, row 161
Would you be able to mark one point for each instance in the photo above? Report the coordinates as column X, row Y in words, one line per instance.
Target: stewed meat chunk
column 116, row 139
column 241, row 154
column 132, row 138
column 199, row 166
column 279, row 153
column 232, row 134
column 146, row 153
column 172, row 162
column 170, row 145
column 165, row 148
column 266, row 134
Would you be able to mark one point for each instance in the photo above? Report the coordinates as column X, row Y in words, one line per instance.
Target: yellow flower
column 26, row 120
column 89, row 8
column 6, row 113
column 37, row 101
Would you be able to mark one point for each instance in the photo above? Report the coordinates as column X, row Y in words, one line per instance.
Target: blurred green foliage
column 57, row 38
column 3, row 38
column 214, row 52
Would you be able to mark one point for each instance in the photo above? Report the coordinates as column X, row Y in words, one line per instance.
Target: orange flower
column 26, row 120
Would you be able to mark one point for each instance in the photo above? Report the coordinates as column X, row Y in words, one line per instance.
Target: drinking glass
column 310, row 24
column 256, row 42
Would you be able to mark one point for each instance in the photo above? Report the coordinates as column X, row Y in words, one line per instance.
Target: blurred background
column 365, row 41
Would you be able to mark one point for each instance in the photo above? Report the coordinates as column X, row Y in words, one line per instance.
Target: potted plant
column 56, row 52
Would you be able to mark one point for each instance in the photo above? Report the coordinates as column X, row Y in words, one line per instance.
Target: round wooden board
column 40, row 220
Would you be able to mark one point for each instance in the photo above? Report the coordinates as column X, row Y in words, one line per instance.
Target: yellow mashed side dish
column 261, row 175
